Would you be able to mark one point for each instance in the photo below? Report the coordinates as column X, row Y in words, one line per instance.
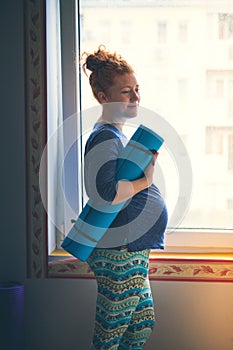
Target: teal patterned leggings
column 124, row 307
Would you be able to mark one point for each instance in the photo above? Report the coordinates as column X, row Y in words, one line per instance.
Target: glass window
column 230, row 100
column 183, row 32
column 182, row 88
column 162, row 32
column 230, row 52
column 126, row 31
column 230, row 152
column 182, row 102
column 214, row 140
column 186, row 86
column 225, row 25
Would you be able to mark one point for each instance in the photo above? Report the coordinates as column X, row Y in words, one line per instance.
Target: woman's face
column 124, row 95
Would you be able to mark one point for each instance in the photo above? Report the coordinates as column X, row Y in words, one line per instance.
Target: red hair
column 104, row 66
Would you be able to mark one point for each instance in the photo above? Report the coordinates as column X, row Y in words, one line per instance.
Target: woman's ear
column 102, row 97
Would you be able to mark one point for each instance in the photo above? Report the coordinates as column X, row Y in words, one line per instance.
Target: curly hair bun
column 94, row 63
column 104, row 66
column 100, row 59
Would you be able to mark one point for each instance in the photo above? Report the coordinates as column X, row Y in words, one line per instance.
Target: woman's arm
column 127, row 189
column 100, row 170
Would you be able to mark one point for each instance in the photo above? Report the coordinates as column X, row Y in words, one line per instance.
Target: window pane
column 162, row 32
column 183, row 32
column 188, row 85
column 225, row 25
column 230, row 152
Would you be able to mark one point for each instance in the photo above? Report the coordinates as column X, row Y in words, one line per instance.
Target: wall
column 193, row 316
column 13, row 211
column 190, row 316
column 59, row 314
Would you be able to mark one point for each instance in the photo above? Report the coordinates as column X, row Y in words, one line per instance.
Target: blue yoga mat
column 94, row 220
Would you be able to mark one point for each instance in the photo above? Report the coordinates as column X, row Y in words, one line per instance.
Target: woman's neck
column 119, row 125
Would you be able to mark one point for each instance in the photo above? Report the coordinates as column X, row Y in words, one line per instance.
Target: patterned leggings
column 124, row 307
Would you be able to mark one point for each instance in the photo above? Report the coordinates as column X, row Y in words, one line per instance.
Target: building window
column 219, row 88
column 225, row 25
column 230, row 52
column 230, row 99
column 162, row 32
column 230, row 109
column 230, row 152
column 126, row 31
column 219, row 84
column 215, row 84
column 104, row 27
column 217, row 138
column 214, row 140
column 230, row 203
column 183, row 32
column 182, row 85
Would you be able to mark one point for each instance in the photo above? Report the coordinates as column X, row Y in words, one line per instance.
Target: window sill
column 164, row 266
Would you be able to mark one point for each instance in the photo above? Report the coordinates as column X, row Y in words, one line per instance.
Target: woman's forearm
column 127, row 189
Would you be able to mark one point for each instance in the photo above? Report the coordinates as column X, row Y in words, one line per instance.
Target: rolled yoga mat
column 94, row 220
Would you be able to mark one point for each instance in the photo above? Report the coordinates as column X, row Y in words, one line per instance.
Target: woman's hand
column 149, row 171
column 127, row 189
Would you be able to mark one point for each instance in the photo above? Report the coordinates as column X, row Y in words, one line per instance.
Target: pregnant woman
column 120, row 261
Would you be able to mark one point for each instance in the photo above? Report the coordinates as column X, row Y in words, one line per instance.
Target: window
column 214, row 140
column 161, row 84
column 230, row 52
column 230, row 203
column 225, row 25
column 219, row 86
column 230, row 100
column 126, row 31
column 230, row 152
column 215, row 84
column 204, row 139
column 104, row 28
column 182, row 88
column 183, row 32
column 190, row 114
column 162, row 32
